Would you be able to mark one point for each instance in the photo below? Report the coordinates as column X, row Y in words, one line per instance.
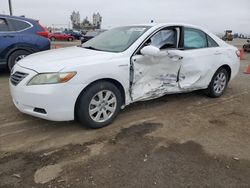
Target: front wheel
column 218, row 83
column 99, row 105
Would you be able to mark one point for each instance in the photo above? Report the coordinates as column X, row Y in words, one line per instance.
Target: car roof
column 155, row 26
column 17, row 17
column 169, row 24
column 159, row 25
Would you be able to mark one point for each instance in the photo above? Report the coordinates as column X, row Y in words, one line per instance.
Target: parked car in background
column 60, row 36
column 83, row 31
column 75, row 34
column 91, row 34
column 93, row 81
column 20, row 37
column 246, row 46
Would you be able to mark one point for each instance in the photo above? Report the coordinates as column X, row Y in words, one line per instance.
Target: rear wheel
column 52, row 38
column 218, row 83
column 15, row 57
column 99, row 105
column 70, row 39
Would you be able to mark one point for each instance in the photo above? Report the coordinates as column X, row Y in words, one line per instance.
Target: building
column 97, row 20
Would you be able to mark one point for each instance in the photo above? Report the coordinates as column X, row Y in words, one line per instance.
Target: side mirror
column 150, row 51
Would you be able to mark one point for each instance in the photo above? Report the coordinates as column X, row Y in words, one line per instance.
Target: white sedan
column 92, row 82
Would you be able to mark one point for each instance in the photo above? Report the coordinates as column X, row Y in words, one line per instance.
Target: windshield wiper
column 91, row 48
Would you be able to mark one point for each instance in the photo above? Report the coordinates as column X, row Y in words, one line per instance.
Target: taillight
column 238, row 53
column 44, row 33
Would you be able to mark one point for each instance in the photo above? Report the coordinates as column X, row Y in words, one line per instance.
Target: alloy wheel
column 220, row 83
column 102, row 106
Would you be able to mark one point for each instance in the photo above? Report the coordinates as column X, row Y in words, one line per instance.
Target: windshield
column 116, row 40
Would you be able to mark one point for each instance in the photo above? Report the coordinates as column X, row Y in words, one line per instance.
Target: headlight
column 51, row 78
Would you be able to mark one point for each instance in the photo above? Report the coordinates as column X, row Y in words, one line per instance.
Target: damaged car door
column 174, row 60
column 156, row 64
column 202, row 54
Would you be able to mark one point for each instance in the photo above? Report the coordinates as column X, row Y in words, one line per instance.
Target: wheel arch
column 210, row 89
column 15, row 49
column 111, row 80
column 21, row 46
column 228, row 69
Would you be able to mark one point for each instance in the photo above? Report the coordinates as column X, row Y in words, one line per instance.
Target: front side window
column 194, row 39
column 164, row 39
column 116, row 40
column 19, row 25
column 3, row 25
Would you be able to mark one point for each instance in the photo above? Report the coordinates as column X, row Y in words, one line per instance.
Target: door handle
column 217, row 53
column 175, row 57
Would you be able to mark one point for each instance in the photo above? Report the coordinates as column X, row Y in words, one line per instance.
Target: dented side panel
column 154, row 76
column 178, row 71
column 198, row 68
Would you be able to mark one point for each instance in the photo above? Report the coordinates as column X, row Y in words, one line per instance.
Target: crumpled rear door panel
column 156, row 76
column 197, row 68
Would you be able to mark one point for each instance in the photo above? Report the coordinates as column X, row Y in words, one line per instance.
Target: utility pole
column 10, row 7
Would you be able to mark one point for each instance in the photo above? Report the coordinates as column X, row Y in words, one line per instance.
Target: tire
column 15, row 57
column 52, row 38
column 218, row 83
column 244, row 48
column 89, row 101
column 70, row 39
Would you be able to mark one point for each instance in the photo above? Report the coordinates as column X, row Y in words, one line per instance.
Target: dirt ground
column 184, row 140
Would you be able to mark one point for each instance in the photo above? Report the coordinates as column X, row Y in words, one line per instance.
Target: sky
column 215, row 15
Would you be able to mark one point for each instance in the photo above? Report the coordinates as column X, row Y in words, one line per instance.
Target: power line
column 10, row 7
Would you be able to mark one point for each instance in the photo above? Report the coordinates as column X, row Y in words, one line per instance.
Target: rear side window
column 19, row 25
column 211, row 43
column 194, row 39
column 3, row 25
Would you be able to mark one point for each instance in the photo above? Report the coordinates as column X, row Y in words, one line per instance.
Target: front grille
column 17, row 77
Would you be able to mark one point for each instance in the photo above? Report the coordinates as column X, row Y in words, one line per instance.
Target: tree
column 76, row 20
column 86, row 24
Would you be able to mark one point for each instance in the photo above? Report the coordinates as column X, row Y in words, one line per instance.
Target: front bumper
column 58, row 100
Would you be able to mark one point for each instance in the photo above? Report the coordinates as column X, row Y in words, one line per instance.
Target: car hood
column 58, row 59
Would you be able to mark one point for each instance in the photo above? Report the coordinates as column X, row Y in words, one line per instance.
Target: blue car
column 20, row 37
